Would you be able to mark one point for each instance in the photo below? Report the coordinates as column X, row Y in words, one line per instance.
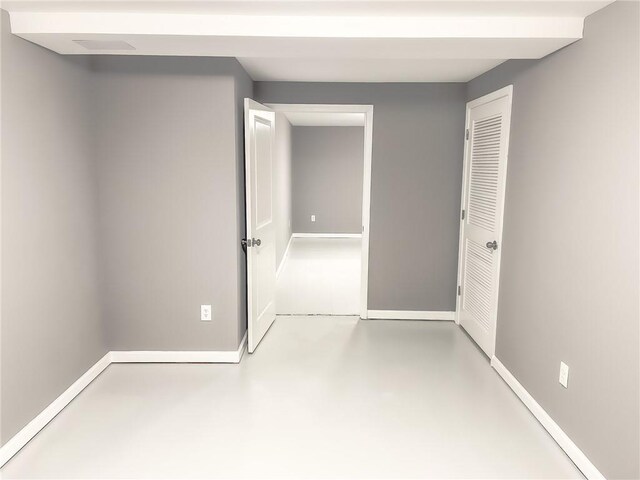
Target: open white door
column 259, row 136
column 483, row 187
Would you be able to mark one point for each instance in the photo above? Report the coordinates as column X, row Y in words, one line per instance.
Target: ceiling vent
column 104, row 44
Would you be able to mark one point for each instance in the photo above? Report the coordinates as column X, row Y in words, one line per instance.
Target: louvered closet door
column 488, row 120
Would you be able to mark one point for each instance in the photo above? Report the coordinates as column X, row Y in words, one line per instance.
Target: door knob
column 251, row 242
column 492, row 245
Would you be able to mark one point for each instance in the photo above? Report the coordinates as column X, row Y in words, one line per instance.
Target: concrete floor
column 322, row 397
column 320, row 276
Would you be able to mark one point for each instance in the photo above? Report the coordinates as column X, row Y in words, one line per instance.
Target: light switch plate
column 205, row 313
column 564, row 375
column 313, row 218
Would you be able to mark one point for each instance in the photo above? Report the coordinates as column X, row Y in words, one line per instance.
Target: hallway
column 320, row 276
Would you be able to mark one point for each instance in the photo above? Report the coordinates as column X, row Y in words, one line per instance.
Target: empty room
column 317, row 239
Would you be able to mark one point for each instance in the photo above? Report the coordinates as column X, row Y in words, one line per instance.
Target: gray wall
column 51, row 325
column 171, row 201
column 569, row 281
column 282, row 185
column 415, row 191
column 328, row 164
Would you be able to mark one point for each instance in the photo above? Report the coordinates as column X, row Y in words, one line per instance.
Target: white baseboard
column 409, row 315
column 232, row 356
column 571, row 449
column 284, row 257
column 327, row 235
column 30, row 430
column 20, row 439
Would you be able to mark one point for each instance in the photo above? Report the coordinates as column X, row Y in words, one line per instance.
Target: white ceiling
column 366, row 69
column 533, row 8
column 315, row 40
column 325, row 119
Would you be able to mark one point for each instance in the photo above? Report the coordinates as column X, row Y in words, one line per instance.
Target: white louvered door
column 485, row 169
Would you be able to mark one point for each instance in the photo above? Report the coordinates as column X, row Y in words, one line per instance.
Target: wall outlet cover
column 564, row 375
column 205, row 313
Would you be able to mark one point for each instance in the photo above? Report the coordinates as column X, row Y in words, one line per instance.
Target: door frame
column 502, row 92
column 366, row 178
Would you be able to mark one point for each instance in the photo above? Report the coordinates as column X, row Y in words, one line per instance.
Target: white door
column 485, row 171
column 259, row 136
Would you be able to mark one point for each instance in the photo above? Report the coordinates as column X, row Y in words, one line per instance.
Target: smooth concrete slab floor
column 320, row 276
column 322, row 397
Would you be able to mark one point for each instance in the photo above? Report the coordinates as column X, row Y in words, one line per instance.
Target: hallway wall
column 282, row 186
column 569, row 288
column 328, row 166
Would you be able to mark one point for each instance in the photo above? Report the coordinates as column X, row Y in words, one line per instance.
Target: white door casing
column 483, row 190
column 367, row 111
column 260, row 242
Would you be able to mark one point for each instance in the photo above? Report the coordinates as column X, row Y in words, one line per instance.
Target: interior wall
column 51, row 323
column 328, row 166
column 416, row 181
column 569, row 286
column 282, row 186
column 171, row 205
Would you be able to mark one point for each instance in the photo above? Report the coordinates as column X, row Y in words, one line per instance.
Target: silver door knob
column 492, row 245
column 255, row 242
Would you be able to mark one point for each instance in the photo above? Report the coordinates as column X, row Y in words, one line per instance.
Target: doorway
column 314, row 254
column 324, row 266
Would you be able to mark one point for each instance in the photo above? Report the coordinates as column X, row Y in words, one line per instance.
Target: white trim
column 587, row 468
column 502, row 92
column 21, row 438
column 366, row 211
column 284, row 257
column 366, row 177
column 243, row 346
column 410, row 315
column 231, row 356
column 327, row 235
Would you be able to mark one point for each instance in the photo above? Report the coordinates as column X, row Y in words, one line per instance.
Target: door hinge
column 466, row 135
column 462, row 216
column 459, row 290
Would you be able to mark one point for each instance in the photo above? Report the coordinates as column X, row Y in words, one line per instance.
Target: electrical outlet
column 313, row 218
column 205, row 313
column 564, row 375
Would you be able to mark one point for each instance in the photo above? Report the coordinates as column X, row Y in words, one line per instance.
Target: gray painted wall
column 282, row 186
column 415, row 191
column 569, row 282
column 171, row 205
column 328, row 164
column 51, row 325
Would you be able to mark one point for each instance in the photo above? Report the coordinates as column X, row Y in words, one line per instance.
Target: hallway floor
column 320, row 276
column 322, row 397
